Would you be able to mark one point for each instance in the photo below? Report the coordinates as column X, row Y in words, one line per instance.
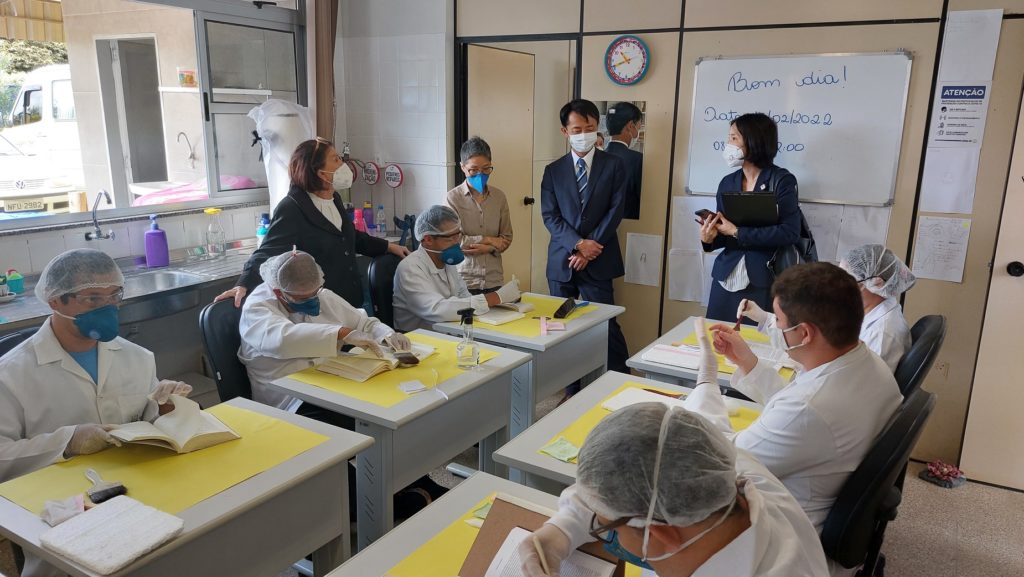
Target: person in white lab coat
column 815, row 431
column 73, row 381
column 882, row 278
column 290, row 323
column 428, row 287
column 665, row 490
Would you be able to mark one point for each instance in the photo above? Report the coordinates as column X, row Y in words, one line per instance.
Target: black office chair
column 11, row 340
column 382, row 287
column 218, row 326
column 926, row 338
column 870, row 498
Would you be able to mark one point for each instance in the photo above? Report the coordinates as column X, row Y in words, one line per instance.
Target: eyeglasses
column 601, row 533
column 96, row 301
column 474, row 171
column 293, row 298
column 319, row 141
column 457, row 233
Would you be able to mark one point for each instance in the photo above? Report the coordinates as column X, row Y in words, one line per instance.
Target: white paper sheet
column 685, row 275
column 643, row 259
column 949, row 178
column 686, row 232
column 969, row 44
column 508, row 563
column 825, row 221
column 862, row 225
column 941, row 248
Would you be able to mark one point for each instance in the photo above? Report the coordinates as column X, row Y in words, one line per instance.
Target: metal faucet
column 97, row 233
column 191, row 152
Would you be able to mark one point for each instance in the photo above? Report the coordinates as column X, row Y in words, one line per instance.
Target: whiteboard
column 840, row 119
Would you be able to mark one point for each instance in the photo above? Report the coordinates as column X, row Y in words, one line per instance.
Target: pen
column 540, row 553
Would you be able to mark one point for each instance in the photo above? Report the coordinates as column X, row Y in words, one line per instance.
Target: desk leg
column 337, row 550
column 488, row 445
column 375, row 486
column 524, row 399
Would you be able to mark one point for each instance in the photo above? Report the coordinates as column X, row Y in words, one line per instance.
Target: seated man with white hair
column 664, row 490
column 291, row 322
column 428, row 286
column 75, row 379
column 881, row 277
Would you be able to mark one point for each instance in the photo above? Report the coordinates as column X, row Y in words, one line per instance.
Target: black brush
column 102, row 490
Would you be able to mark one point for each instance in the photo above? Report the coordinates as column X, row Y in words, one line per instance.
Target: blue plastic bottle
column 156, row 245
column 261, row 230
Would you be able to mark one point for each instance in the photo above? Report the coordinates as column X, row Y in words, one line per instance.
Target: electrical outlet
column 943, row 369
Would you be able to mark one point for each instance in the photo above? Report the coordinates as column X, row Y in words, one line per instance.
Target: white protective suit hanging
column 281, row 126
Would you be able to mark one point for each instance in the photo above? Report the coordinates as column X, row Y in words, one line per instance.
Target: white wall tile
column 175, row 229
column 15, row 254
column 137, row 236
column 43, row 247
column 408, row 73
column 243, row 223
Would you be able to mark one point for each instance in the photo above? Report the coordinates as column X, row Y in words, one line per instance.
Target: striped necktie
column 581, row 177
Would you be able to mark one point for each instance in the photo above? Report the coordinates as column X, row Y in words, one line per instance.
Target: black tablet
column 750, row 208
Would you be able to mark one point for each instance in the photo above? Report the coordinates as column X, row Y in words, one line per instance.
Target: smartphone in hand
column 704, row 214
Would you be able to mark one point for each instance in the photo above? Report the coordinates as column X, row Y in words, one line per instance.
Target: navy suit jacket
column 596, row 219
column 758, row 244
column 634, row 163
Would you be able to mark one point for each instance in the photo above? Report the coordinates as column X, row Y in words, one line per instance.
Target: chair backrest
column 11, row 340
column 382, row 287
column 926, row 338
column 870, row 494
column 218, row 325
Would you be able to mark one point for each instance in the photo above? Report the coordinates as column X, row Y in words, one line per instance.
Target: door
column 500, row 110
column 991, row 451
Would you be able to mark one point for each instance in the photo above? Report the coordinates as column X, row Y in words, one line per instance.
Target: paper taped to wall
column 941, row 248
column 643, row 259
column 949, row 178
column 825, row 221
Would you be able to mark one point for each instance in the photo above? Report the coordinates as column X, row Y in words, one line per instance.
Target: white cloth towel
column 111, row 535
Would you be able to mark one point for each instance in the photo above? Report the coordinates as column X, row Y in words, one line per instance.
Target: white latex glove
column 749, row 309
column 509, row 293
column 164, row 389
column 90, row 438
column 708, row 371
column 364, row 341
column 399, row 342
column 555, row 544
column 381, row 331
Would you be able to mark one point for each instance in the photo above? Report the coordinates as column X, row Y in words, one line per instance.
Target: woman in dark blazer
column 741, row 270
column 313, row 219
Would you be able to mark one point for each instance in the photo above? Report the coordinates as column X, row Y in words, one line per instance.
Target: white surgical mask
column 342, row 178
column 583, row 142
column 733, row 155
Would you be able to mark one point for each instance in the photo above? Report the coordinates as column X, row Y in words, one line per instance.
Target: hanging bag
column 804, row 250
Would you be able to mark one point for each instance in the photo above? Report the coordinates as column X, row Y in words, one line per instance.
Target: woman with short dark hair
column 741, row 270
column 313, row 219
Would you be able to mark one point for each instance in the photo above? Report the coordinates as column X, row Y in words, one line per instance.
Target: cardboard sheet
column 384, row 390
column 164, row 479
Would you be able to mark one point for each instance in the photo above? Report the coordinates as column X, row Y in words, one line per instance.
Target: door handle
column 528, row 200
column 1015, row 268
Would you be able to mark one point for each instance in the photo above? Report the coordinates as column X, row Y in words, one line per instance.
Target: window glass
column 33, row 112
column 63, row 100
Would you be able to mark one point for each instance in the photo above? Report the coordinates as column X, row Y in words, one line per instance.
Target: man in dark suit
column 582, row 196
column 623, row 123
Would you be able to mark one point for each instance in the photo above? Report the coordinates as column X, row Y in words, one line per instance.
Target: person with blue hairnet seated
column 428, row 286
column 881, row 277
column 665, row 490
column 67, row 386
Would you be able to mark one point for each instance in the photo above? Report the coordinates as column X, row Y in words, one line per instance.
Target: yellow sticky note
column 562, row 450
column 383, row 390
column 164, row 479
column 577, row 432
column 444, row 554
column 542, row 307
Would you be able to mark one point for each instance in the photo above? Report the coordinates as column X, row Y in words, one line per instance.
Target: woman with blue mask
column 428, row 286
column 663, row 489
column 486, row 221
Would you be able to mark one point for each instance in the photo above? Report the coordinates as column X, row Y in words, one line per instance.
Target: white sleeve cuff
column 572, row 519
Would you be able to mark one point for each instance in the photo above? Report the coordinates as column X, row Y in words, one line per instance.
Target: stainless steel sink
column 160, row 280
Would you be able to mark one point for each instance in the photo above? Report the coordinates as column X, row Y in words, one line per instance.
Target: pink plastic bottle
column 358, row 221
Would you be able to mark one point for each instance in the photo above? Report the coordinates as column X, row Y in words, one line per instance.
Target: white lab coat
column 883, row 330
column 277, row 342
column 815, row 431
column 425, row 294
column 780, row 541
column 44, row 394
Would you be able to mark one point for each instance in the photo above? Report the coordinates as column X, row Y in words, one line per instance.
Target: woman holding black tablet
column 741, row 270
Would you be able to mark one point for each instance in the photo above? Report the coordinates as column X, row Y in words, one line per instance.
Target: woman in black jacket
column 313, row 219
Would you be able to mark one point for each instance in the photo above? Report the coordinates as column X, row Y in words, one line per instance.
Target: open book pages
column 185, row 429
column 634, row 395
column 498, row 316
column 359, row 365
column 508, row 563
column 520, row 306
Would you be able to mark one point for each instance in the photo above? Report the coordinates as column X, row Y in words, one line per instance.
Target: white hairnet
column 281, row 126
column 696, row 476
column 882, row 271
column 76, row 270
column 293, row 272
column 438, row 219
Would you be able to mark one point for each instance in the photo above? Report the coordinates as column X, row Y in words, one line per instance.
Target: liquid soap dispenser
column 156, row 245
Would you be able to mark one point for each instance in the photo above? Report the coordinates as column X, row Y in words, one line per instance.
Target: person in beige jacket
column 486, row 224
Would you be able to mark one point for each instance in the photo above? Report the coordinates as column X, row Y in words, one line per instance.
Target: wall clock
column 626, row 60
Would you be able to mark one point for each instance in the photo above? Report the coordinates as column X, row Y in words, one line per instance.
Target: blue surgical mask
column 98, row 324
column 450, row 255
column 478, row 181
column 310, row 306
column 616, row 548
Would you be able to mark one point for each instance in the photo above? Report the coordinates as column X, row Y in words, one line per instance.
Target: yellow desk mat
column 542, row 307
column 444, row 554
column 749, row 334
column 382, row 390
column 164, row 479
column 577, row 432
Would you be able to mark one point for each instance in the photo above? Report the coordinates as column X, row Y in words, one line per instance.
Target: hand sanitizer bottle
column 467, row 352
